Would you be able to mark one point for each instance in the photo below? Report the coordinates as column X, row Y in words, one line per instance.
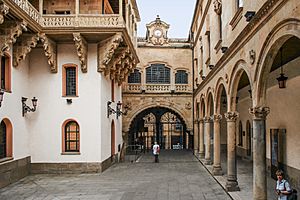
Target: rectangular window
column 3, row 72
column 71, row 81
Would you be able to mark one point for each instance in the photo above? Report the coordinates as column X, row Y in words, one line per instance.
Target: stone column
column 41, row 7
column 217, row 169
column 196, row 135
column 259, row 152
column 231, row 184
column 217, row 34
column 201, row 138
column 187, row 140
column 207, row 141
column 76, row 8
column 120, row 7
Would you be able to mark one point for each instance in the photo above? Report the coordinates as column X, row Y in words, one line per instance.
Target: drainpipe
column 192, row 46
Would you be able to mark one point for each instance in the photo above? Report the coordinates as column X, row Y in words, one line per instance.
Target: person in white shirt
column 283, row 188
column 156, row 150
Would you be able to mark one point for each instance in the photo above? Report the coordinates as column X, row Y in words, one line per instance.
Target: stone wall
column 14, row 170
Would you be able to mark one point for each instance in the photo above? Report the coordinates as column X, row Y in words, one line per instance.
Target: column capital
column 231, row 116
column 216, row 118
column 259, row 112
column 206, row 119
column 201, row 120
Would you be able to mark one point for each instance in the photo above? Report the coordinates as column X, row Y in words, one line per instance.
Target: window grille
column 2, row 140
column 3, row 66
column 158, row 73
column 72, row 137
column 71, row 81
column 134, row 77
column 181, row 77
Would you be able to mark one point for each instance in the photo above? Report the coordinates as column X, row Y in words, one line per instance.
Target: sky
column 177, row 13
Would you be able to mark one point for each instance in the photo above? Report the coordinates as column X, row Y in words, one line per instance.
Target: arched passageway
column 162, row 125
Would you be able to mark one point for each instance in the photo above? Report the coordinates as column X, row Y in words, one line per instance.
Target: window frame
column 183, row 75
column 64, row 137
column 64, row 80
column 136, row 76
column 5, row 72
column 166, row 77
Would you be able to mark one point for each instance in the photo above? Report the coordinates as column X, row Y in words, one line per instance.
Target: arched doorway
column 5, row 139
column 162, row 125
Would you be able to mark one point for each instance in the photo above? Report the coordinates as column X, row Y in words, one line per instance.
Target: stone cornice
column 82, row 50
column 24, row 47
column 4, row 9
column 260, row 19
column 50, row 51
column 14, row 30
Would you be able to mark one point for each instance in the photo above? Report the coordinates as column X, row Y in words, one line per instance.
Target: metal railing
column 133, row 152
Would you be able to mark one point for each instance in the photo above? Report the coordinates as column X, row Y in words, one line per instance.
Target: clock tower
column 157, row 32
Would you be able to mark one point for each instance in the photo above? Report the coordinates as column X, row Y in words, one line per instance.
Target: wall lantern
column 26, row 108
column 1, row 96
column 249, row 15
column 119, row 112
column 116, row 111
column 281, row 79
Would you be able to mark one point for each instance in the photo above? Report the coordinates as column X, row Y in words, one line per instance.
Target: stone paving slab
column 178, row 176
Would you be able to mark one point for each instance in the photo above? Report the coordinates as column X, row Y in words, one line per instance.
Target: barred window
column 2, row 140
column 71, row 137
column 134, row 77
column 181, row 77
column 71, row 81
column 158, row 73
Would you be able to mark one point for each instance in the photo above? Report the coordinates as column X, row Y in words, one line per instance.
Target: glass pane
column 71, row 81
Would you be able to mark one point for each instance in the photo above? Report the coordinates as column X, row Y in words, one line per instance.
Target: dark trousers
column 156, row 158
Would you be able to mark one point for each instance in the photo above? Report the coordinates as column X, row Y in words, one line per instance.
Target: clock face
column 157, row 32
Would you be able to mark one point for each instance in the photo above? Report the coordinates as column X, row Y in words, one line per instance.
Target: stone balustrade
column 156, row 88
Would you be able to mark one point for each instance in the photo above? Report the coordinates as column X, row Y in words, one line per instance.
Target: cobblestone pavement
column 178, row 176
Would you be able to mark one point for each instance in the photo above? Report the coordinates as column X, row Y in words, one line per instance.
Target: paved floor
column 178, row 176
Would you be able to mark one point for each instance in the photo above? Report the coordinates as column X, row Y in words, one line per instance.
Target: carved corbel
column 218, row 6
column 50, row 51
column 21, row 49
column 11, row 34
column 82, row 49
column 106, row 51
column 4, row 9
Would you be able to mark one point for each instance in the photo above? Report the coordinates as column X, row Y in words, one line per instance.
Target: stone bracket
column 4, row 9
column 82, row 50
column 21, row 49
column 115, row 59
column 50, row 51
column 11, row 33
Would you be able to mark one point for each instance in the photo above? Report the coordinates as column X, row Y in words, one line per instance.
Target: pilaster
column 207, row 122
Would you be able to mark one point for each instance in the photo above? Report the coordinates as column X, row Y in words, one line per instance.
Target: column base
column 207, row 162
column 201, row 155
column 232, row 186
column 217, row 171
column 195, row 152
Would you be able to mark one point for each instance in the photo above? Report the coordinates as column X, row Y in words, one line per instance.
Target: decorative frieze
column 231, row 116
column 4, row 9
column 24, row 47
column 82, row 50
column 50, row 51
column 259, row 112
column 11, row 33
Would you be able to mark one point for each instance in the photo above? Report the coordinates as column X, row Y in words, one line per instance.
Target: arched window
column 240, row 134
column 71, row 137
column 5, row 72
column 134, row 77
column 158, row 73
column 2, row 140
column 181, row 77
column 70, row 80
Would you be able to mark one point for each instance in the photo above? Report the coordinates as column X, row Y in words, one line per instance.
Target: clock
column 157, row 32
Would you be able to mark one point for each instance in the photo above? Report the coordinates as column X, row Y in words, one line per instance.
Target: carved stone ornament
column 259, row 112
column 252, row 56
column 4, row 9
column 216, row 118
column 231, row 116
column 50, row 51
column 118, row 60
column 218, row 6
column 11, row 34
column 82, row 49
column 188, row 106
column 207, row 119
column 24, row 47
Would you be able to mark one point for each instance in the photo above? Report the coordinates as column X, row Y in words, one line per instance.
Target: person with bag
column 283, row 188
column 156, row 150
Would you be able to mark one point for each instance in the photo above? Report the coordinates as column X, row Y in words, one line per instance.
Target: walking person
column 283, row 188
column 156, row 150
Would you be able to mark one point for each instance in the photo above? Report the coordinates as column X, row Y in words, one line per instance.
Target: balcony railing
column 28, row 9
column 157, row 88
